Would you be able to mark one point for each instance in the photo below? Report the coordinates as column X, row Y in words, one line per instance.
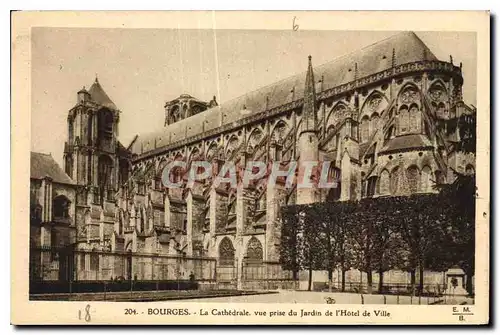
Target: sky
column 141, row 69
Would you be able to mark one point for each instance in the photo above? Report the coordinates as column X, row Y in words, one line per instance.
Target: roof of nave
column 98, row 95
column 371, row 59
column 44, row 165
column 406, row 142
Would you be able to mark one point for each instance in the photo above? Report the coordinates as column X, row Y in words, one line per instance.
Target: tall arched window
column 372, row 182
column 226, row 252
column 106, row 124
column 374, row 123
column 404, row 119
column 89, row 130
column 69, row 166
column 412, row 175
column 384, row 183
column 364, row 129
column 124, row 172
column 394, row 182
column 414, row 119
column 105, row 170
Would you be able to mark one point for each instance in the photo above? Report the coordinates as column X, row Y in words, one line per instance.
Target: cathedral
column 378, row 115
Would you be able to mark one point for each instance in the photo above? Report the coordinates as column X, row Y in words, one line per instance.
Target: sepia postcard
column 260, row 168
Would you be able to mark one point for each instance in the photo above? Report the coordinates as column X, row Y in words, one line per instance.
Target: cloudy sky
column 141, row 69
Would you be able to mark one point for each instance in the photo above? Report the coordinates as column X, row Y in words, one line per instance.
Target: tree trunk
column 380, row 281
column 343, row 280
column 295, row 274
column 310, row 278
column 412, row 281
column 330, row 277
column 421, row 280
column 369, row 281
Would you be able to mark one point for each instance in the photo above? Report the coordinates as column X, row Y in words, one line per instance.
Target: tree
column 289, row 246
column 312, row 250
column 329, row 222
column 387, row 245
column 362, row 242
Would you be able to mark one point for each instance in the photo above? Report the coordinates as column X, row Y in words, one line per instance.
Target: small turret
column 83, row 95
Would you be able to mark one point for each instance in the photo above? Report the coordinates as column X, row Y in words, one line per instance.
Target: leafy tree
column 289, row 246
column 312, row 250
column 361, row 236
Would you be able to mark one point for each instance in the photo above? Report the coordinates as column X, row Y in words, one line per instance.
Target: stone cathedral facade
column 377, row 114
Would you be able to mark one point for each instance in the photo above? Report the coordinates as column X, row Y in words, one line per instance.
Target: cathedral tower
column 91, row 152
column 308, row 140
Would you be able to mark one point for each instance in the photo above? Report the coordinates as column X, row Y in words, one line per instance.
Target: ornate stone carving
column 409, row 95
column 436, row 93
column 374, row 103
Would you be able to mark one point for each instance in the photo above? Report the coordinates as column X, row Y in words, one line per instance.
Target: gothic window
column 372, row 183
column 404, row 119
column 232, row 145
column 226, row 252
column 105, row 170
column 279, row 132
column 426, row 179
column 61, row 207
column 469, row 169
column 123, row 174
column 211, row 151
column 254, row 140
column 254, row 253
column 89, row 130
column 141, row 213
column 175, row 114
column 70, row 131
column 106, row 124
column 394, row 181
column 120, row 222
column 384, row 183
column 69, row 166
column 374, row 122
column 365, row 129
column 412, row 175
column 414, row 119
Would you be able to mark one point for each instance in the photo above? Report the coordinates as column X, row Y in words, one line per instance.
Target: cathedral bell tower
column 308, row 142
column 90, row 153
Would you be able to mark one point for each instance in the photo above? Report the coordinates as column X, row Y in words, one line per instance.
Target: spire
column 393, row 62
column 309, row 108
column 99, row 96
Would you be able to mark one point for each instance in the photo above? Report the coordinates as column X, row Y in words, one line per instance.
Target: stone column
column 212, row 211
column 345, row 177
column 189, row 225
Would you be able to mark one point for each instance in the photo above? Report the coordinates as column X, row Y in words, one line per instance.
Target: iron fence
column 65, row 269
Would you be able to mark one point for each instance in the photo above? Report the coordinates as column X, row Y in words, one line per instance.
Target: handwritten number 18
column 87, row 314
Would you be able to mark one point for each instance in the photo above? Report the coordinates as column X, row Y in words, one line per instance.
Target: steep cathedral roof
column 406, row 47
column 98, row 95
column 44, row 165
